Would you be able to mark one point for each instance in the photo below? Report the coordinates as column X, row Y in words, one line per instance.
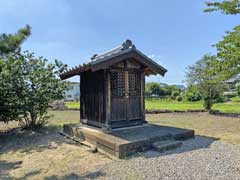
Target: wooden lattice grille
column 117, row 84
column 134, row 84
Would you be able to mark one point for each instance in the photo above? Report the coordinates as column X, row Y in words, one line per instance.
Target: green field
column 232, row 106
column 72, row 105
column 155, row 104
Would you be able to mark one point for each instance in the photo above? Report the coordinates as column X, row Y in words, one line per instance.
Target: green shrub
column 192, row 94
column 179, row 98
column 222, row 99
column 229, row 96
column 175, row 94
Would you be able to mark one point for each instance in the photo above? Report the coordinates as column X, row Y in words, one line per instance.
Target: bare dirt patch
column 46, row 155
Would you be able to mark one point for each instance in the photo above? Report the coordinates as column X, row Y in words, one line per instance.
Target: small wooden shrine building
column 112, row 87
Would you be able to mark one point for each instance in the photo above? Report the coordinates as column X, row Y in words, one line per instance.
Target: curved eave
column 105, row 62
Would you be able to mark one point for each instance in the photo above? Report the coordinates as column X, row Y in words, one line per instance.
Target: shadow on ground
column 73, row 176
column 5, row 167
column 197, row 143
column 27, row 141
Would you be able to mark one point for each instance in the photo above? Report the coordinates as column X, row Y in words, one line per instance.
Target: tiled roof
column 126, row 47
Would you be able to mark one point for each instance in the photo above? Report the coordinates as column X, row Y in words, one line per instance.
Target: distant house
column 73, row 91
column 232, row 83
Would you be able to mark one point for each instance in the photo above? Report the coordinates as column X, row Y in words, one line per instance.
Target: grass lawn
column 172, row 105
column 229, row 107
column 72, row 105
column 155, row 104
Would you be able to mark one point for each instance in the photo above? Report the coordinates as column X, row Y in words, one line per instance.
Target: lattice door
column 125, row 95
column 118, row 84
column 134, row 84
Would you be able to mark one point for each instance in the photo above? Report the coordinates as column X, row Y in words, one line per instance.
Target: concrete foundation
column 127, row 141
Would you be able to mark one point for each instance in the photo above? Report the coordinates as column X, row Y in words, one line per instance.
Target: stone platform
column 127, row 141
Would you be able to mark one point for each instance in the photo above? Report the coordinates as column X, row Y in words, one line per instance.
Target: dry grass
column 64, row 161
column 47, row 155
column 224, row 128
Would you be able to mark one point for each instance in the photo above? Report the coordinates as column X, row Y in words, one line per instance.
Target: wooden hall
column 112, row 87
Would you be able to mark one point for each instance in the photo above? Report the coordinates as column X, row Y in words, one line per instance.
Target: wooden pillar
column 80, row 99
column 143, row 96
column 126, row 95
column 82, row 94
column 107, row 127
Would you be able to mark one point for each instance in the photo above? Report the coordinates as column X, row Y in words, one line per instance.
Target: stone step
column 162, row 146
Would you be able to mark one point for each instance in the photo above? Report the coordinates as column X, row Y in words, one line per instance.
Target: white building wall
column 73, row 92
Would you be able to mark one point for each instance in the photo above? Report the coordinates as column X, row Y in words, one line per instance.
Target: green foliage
column 152, row 89
column 28, row 84
column 10, row 73
column 175, row 93
column 11, row 83
column 169, row 89
column 34, row 83
column 205, row 76
column 41, row 87
column 11, row 42
column 179, row 98
column 192, row 94
column 212, row 93
column 228, row 50
column 222, row 99
column 155, row 89
column 228, row 53
column 226, row 6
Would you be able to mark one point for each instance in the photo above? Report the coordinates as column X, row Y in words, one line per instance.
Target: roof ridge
column 127, row 44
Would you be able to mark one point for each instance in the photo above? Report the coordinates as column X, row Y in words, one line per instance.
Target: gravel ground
column 199, row 158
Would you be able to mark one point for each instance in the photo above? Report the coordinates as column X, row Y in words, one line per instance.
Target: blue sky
column 174, row 33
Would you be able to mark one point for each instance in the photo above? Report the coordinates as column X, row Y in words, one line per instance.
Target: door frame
column 127, row 96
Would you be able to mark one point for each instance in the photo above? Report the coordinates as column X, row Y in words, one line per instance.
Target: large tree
column 228, row 49
column 205, row 76
column 226, row 7
column 228, row 53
